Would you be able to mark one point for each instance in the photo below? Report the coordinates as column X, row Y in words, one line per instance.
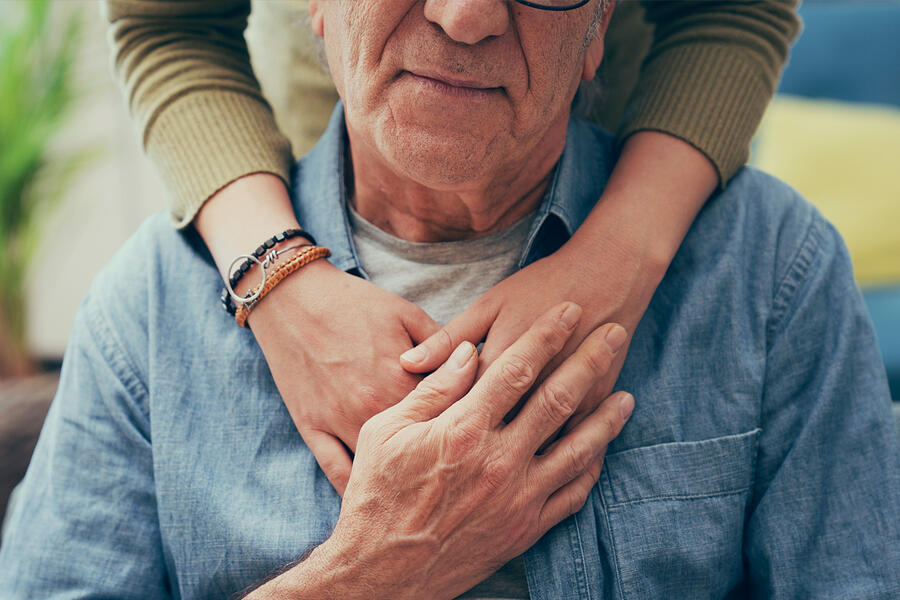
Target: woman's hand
column 611, row 266
column 331, row 340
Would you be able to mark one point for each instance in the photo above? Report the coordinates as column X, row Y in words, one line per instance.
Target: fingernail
column 414, row 355
column 461, row 355
column 626, row 405
column 569, row 317
column 615, row 338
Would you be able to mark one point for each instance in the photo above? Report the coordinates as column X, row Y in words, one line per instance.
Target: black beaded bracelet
column 235, row 277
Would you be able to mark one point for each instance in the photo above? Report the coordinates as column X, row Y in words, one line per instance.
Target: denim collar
column 320, row 198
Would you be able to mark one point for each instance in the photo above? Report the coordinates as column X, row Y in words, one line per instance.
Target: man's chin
column 438, row 161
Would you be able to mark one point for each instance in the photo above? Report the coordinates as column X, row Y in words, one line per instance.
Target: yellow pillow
column 845, row 159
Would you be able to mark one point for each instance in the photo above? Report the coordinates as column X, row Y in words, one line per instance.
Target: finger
column 555, row 400
column 598, row 393
column 419, row 325
column 332, row 456
column 434, row 394
column 571, row 455
column 569, row 499
column 500, row 337
column 472, row 325
column 514, row 372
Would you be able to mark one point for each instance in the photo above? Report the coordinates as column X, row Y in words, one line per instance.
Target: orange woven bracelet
column 303, row 258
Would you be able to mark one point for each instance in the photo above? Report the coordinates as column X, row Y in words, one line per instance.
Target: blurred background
column 74, row 183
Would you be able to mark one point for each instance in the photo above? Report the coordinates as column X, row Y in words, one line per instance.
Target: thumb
column 472, row 325
column 419, row 325
column 437, row 392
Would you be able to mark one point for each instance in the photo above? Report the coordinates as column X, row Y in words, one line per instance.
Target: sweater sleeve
column 185, row 70
column 711, row 71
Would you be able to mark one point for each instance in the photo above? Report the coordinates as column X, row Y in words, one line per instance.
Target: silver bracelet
column 267, row 261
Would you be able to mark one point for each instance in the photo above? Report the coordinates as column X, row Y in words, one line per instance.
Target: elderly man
column 759, row 460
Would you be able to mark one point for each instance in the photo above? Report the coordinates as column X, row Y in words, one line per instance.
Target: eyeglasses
column 554, row 4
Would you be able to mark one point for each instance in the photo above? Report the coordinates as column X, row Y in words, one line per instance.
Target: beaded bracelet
column 229, row 297
column 302, row 258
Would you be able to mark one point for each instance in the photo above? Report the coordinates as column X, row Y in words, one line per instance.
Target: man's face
column 452, row 93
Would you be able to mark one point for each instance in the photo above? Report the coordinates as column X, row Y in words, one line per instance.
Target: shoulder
column 775, row 224
column 763, row 233
column 155, row 261
column 159, row 277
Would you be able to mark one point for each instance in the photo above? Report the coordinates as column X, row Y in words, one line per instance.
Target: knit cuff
column 711, row 96
column 205, row 140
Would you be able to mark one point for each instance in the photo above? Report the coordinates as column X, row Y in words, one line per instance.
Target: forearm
column 658, row 186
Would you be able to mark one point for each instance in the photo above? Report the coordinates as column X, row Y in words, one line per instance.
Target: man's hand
column 500, row 315
column 343, row 335
column 443, row 491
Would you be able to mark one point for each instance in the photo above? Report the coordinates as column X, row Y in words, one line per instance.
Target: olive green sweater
column 701, row 71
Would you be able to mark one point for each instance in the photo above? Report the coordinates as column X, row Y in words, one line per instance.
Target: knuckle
column 368, row 402
column 495, row 474
column 430, row 390
column 335, row 472
column 578, row 497
column 550, row 339
column 598, row 360
column 576, row 501
column 484, row 302
column 446, row 339
column 577, row 458
column 461, row 439
column 517, row 374
column 371, row 429
column 557, row 401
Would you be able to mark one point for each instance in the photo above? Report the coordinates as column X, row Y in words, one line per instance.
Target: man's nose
column 469, row 21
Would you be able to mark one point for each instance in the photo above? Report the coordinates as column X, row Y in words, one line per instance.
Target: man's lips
column 452, row 85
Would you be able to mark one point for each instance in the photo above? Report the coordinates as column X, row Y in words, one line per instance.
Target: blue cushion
column 847, row 51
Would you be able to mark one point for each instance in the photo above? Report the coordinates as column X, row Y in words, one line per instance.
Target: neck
column 418, row 212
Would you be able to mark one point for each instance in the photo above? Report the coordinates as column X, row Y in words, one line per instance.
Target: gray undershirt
column 444, row 278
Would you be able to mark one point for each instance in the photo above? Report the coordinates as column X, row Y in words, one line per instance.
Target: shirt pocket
column 675, row 514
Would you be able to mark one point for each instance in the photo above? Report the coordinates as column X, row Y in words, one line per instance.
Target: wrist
column 321, row 575
column 243, row 213
column 341, row 570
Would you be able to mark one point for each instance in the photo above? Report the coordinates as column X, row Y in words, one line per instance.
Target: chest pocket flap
column 675, row 514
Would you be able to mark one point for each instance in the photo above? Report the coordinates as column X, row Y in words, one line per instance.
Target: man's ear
column 317, row 18
column 594, row 54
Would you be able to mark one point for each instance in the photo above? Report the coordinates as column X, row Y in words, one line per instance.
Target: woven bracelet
column 228, row 295
column 303, row 258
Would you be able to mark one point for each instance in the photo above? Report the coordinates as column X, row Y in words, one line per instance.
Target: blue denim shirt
column 761, row 458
